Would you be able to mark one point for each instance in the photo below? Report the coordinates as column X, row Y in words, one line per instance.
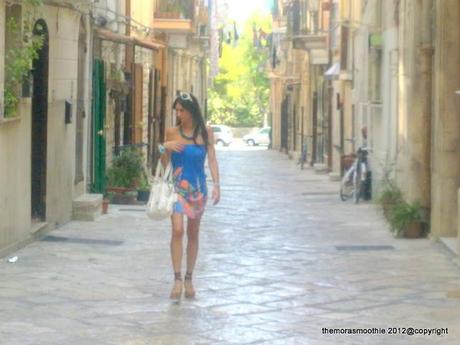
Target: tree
column 240, row 93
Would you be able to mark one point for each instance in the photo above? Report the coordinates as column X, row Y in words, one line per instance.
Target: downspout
column 330, row 89
column 426, row 70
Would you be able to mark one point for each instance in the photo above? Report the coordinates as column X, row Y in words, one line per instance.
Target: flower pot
column 119, row 190
column 143, row 195
column 126, row 198
column 105, row 206
column 413, row 230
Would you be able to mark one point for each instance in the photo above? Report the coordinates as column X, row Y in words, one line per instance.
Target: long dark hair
column 190, row 103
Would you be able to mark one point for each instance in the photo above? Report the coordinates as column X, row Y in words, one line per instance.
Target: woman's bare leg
column 177, row 236
column 193, row 228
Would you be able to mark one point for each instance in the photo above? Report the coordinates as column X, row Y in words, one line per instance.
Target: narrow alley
column 281, row 259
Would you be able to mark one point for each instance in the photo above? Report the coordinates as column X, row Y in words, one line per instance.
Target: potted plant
column 388, row 198
column 169, row 10
column 406, row 219
column 105, row 204
column 124, row 176
column 143, row 192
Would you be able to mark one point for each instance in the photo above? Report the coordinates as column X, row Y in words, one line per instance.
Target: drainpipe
column 129, row 48
column 315, row 129
column 422, row 153
column 330, row 90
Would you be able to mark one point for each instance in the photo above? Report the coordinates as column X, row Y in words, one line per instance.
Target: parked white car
column 223, row 135
column 259, row 137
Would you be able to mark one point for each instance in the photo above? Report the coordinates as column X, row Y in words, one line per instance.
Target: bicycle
column 354, row 181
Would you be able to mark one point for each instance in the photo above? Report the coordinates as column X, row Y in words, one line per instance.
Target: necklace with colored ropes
column 183, row 135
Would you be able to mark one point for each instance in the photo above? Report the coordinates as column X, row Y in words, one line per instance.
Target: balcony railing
column 309, row 42
column 175, row 9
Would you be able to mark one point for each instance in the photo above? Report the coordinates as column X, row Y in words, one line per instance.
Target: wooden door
column 138, row 114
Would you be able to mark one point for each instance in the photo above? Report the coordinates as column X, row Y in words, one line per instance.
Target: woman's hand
column 216, row 194
column 174, row 146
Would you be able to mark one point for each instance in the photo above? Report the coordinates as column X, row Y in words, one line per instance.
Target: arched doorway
column 39, row 125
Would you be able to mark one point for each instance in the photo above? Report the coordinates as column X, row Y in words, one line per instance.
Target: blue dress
column 190, row 180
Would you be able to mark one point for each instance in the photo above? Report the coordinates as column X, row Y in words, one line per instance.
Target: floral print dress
column 190, row 180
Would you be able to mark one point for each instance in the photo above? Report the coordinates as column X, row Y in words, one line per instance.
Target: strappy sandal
column 189, row 290
column 176, row 291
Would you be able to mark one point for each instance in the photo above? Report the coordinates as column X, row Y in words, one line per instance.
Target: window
column 344, row 48
column 216, row 129
column 375, row 65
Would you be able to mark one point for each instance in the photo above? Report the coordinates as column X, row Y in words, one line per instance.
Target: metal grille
column 364, row 247
column 81, row 240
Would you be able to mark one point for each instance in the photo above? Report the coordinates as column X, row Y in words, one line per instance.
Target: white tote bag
column 162, row 194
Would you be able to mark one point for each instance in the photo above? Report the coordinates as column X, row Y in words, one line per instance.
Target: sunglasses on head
column 185, row 96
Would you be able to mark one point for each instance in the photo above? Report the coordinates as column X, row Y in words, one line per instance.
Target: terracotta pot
column 413, row 230
column 105, row 206
column 124, row 199
column 119, row 190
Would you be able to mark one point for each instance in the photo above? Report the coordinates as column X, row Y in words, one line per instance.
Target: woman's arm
column 214, row 167
column 166, row 155
column 170, row 145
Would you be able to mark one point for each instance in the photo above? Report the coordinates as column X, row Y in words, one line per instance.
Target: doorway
column 284, row 125
column 39, row 125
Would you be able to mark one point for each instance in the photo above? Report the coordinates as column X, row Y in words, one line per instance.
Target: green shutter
column 98, row 119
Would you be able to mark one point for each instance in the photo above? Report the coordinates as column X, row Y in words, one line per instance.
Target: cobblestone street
column 281, row 258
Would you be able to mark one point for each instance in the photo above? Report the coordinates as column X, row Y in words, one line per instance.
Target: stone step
column 87, row 207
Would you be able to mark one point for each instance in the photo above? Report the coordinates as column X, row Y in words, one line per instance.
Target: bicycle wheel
column 344, row 195
column 357, row 187
column 346, row 187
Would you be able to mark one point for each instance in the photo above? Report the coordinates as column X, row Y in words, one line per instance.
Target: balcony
column 310, row 41
column 173, row 25
column 174, row 16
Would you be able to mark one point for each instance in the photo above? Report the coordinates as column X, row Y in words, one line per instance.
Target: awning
column 333, row 72
column 118, row 38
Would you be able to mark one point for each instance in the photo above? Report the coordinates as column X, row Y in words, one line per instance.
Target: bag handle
column 160, row 171
column 168, row 173
column 165, row 174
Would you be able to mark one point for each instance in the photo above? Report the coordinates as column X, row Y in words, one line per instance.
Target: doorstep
column 36, row 230
column 451, row 243
column 36, row 227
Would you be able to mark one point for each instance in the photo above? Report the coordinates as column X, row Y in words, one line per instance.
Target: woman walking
column 187, row 146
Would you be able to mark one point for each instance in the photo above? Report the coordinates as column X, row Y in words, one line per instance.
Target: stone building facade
column 390, row 69
column 43, row 143
column 104, row 80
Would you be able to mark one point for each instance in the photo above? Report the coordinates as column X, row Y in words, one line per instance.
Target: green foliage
column 390, row 196
column 126, row 169
column 19, row 57
column 34, row 3
column 181, row 6
column 144, row 184
column 240, row 93
column 11, row 101
column 403, row 214
column 116, row 73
